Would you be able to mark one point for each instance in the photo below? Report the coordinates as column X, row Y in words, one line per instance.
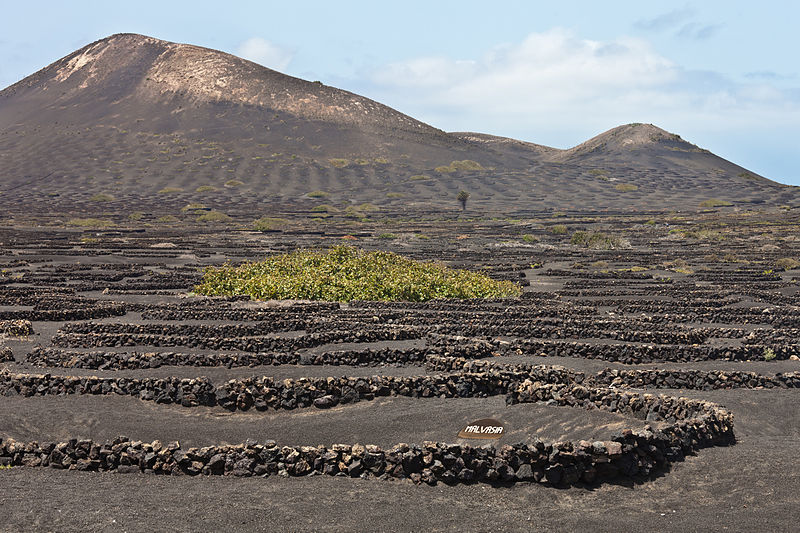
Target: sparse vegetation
column 395, row 195
column 205, row 188
column 704, row 234
column 598, row 240
column 530, row 238
column 317, row 194
column 170, row 190
column 678, row 265
column 344, row 273
column 214, row 216
column 419, row 177
column 136, row 215
column 192, row 207
column 324, row 208
column 714, row 202
column 101, row 197
column 167, row 219
column 787, row 263
column 559, row 229
column 269, row 224
column 769, row 354
column 463, row 196
column 389, row 236
column 339, row 162
column 90, row 222
column 626, row 187
column 455, row 166
column 233, row 183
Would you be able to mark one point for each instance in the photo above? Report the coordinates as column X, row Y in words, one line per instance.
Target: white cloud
column 265, row 53
column 554, row 82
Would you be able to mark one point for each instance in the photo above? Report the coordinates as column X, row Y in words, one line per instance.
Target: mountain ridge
column 144, row 115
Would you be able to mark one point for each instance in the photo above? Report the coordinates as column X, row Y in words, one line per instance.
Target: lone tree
column 463, row 196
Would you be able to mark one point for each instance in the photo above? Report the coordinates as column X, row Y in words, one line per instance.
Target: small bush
column 419, row 177
column 192, row 207
column 214, row 216
column 344, row 273
column 626, row 187
column 205, row 188
column 704, row 235
column 388, row 236
column 395, row 195
column 559, row 229
column 714, row 202
column 269, row 224
column 101, row 197
column 338, row 162
column 598, row 240
column 167, row 219
column 529, row 238
column 678, row 265
column 769, row 354
column 455, row 166
column 90, row 222
column 136, row 215
column 233, row 183
column 381, row 161
column 170, row 190
column 324, row 208
column 787, row 263
column 317, row 194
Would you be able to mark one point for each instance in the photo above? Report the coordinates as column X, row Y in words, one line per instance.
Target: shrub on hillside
column 598, row 240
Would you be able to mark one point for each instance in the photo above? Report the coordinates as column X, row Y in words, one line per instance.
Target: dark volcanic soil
column 717, row 283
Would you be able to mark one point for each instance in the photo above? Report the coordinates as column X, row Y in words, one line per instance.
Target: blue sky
column 722, row 74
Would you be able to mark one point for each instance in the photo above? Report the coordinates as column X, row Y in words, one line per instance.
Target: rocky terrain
column 646, row 378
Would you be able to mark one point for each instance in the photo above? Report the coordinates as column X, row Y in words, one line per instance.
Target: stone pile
column 16, row 328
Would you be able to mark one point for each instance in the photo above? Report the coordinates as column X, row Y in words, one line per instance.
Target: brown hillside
column 149, row 124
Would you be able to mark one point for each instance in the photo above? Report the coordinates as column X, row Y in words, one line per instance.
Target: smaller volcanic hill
column 136, row 123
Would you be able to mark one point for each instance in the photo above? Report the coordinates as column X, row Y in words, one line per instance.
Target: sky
column 724, row 75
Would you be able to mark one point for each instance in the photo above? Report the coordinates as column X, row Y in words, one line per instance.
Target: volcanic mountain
column 132, row 122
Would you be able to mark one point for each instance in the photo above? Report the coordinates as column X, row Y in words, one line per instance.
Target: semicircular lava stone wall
column 685, row 426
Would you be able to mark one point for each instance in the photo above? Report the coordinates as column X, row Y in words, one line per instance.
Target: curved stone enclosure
column 684, row 426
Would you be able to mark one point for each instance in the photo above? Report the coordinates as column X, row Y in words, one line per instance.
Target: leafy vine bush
column 455, row 166
column 787, row 263
column 101, row 197
column 598, row 240
column 269, row 224
column 714, row 202
column 90, row 222
column 214, row 216
column 345, row 273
